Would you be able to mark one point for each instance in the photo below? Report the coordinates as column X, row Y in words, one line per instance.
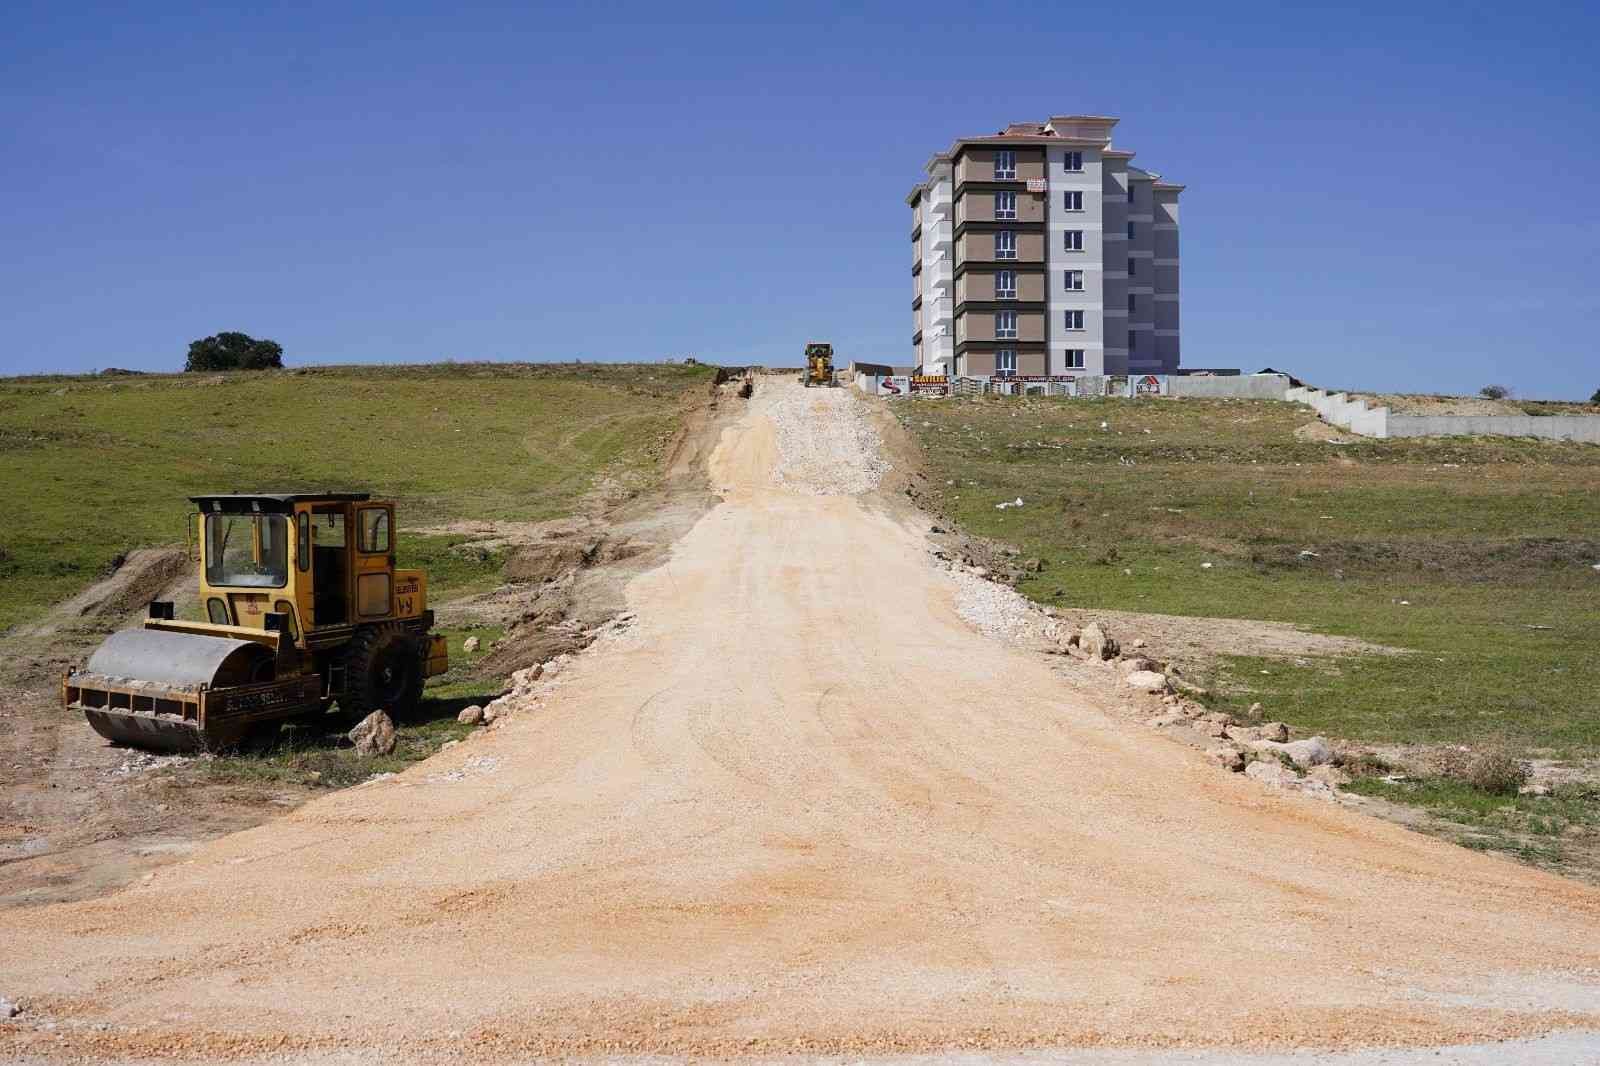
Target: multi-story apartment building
column 1042, row 251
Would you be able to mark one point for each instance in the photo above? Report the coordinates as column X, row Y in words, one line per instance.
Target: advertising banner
column 894, row 385
column 1149, row 385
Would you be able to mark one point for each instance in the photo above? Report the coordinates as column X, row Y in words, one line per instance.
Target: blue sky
column 1386, row 196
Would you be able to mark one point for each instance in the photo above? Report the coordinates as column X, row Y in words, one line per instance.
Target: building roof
column 1047, row 133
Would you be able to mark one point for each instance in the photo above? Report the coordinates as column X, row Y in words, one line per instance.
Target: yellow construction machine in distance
column 819, row 366
column 305, row 607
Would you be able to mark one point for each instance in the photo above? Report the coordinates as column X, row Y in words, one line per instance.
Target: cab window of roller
column 247, row 550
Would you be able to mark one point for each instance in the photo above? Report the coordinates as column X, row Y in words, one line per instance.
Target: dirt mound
column 1423, row 404
column 1315, row 431
column 136, row 579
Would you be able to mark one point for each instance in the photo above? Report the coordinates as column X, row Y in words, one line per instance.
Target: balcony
column 936, row 203
column 936, row 310
column 937, row 235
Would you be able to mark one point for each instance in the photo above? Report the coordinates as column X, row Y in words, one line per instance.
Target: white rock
column 373, row 735
column 1271, row 773
column 1146, row 681
column 1275, row 731
column 1093, row 640
column 1230, row 759
column 1313, row 751
column 470, row 715
column 469, row 645
column 9, row 1009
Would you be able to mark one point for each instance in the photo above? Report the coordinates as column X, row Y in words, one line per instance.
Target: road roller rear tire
column 382, row 672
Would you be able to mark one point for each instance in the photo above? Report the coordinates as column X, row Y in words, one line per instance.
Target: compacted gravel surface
column 800, row 806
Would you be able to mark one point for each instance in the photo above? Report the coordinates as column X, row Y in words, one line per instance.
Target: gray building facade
column 1041, row 250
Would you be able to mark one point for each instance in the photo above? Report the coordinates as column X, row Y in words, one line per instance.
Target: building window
column 1005, row 285
column 1131, row 303
column 1132, row 269
column 1074, row 358
column 1005, row 166
column 1072, row 162
column 1005, row 362
column 1005, row 325
column 1072, row 200
column 1005, row 245
column 1072, row 240
column 1131, row 345
column 1130, row 192
column 1005, row 205
column 1130, row 231
column 1074, row 280
column 1073, row 320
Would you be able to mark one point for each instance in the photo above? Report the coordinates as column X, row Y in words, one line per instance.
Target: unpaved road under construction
column 801, row 806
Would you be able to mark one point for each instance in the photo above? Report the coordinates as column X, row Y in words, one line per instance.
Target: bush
column 1495, row 392
column 1595, row 399
column 1492, row 770
column 234, row 351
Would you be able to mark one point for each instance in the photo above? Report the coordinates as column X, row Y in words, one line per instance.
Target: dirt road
column 802, row 806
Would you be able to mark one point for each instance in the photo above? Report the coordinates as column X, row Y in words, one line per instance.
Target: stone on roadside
column 1134, row 663
column 1165, row 721
column 1230, row 759
column 1271, row 772
column 1329, row 775
column 1146, row 681
column 373, row 735
column 470, row 715
column 1275, row 731
column 1254, row 711
column 1139, row 643
column 1303, row 753
column 1095, row 643
column 470, row 645
column 8, row 1009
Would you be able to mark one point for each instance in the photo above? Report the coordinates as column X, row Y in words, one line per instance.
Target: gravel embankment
column 826, row 447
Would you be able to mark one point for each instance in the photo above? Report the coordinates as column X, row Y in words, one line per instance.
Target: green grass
column 1455, row 801
column 91, row 467
column 1473, row 555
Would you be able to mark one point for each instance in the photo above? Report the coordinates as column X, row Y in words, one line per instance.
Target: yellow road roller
column 304, row 608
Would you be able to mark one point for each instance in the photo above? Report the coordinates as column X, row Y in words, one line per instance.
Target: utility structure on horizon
column 1041, row 250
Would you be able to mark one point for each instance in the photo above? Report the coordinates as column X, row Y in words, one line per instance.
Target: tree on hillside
column 234, row 351
column 1495, row 392
column 1595, row 399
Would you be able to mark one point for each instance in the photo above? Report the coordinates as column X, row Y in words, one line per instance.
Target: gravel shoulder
column 793, row 803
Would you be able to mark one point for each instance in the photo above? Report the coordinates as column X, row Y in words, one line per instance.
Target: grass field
column 93, row 466
column 1476, row 556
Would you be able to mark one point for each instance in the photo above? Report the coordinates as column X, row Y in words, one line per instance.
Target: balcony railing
column 937, row 235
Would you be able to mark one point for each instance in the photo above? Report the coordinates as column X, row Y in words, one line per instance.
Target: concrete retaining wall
column 1241, row 386
column 1339, row 410
column 1585, row 428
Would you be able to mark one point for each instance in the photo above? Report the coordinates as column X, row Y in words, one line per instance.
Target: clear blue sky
column 1401, row 196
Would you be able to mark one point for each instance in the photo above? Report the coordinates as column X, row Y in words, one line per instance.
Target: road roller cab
column 304, row 607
